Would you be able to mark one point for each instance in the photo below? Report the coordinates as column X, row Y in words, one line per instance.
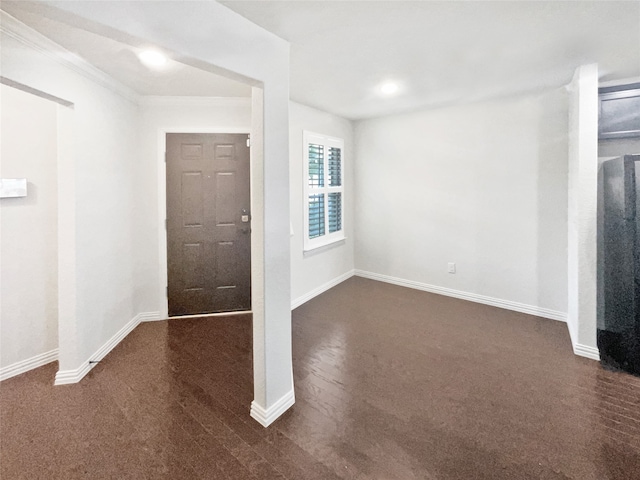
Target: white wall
column 105, row 152
column 313, row 271
column 482, row 185
column 212, row 36
column 28, row 232
column 582, row 210
column 157, row 115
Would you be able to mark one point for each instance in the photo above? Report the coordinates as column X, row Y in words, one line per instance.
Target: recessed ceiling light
column 153, row 58
column 389, row 88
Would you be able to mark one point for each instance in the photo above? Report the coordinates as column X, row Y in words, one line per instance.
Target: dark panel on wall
column 619, row 115
column 619, row 333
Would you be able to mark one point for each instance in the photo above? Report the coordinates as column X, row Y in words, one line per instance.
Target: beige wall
column 28, row 234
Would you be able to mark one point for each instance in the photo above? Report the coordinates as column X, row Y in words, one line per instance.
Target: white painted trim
column 67, row 282
column 572, row 334
column 326, row 245
column 150, row 317
column 472, row 297
column 162, row 201
column 582, row 290
column 586, row 351
column 266, row 417
column 206, row 315
column 64, row 377
column 33, row 39
column 28, row 364
column 310, row 244
column 176, row 101
column 324, row 248
column 321, row 289
column 34, row 91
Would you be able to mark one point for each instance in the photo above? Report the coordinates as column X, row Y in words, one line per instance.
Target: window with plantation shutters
column 324, row 190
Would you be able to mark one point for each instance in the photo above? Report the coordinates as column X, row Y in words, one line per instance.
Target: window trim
column 327, row 141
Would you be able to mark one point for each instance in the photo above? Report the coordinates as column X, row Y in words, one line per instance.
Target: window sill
column 309, row 252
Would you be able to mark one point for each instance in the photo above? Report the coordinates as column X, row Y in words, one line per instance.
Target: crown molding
column 33, row 39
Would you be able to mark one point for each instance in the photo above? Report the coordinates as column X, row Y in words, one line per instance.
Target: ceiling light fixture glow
column 153, row 58
column 389, row 88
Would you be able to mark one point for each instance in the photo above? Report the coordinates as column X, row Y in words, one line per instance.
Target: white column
column 582, row 214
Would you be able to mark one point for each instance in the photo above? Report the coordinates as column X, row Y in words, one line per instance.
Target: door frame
column 162, row 207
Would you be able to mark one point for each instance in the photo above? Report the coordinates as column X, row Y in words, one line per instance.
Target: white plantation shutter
column 324, row 190
column 335, row 167
column 335, row 212
column 316, row 216
column 316, row 165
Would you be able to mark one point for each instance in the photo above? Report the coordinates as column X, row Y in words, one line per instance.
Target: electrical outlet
column 452, row 267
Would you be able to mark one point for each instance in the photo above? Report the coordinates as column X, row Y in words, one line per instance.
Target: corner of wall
column 65, row 377
column 266, row 417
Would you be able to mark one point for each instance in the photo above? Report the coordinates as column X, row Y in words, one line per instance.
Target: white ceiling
column 121, row 62
column 443, row 52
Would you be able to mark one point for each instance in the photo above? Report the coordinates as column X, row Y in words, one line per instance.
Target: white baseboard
column 271, row 414
column 586, row 351
column 150, row 317
column 65, row 377
column 472, row 297
column 321, row 289
column 209, row 315
column 582, row 350
column 28, row 364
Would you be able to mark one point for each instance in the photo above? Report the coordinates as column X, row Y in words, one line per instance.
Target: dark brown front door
column 208, row 223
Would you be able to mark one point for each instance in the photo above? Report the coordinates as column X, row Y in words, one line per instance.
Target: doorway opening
column 116, row 224
column 36, row 215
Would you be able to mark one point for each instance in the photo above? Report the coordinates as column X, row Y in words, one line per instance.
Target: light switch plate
column 13, row 187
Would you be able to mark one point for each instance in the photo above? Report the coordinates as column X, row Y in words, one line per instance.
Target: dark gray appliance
column 619, row 330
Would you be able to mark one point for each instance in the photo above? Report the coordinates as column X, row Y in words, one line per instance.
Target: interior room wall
column 157, row 114
column 28, row 230
column 316, row 271
column 229, row 44
column 105, row 152
column 482, row 185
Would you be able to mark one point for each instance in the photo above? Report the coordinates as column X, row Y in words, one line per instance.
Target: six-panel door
column 208, row 223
